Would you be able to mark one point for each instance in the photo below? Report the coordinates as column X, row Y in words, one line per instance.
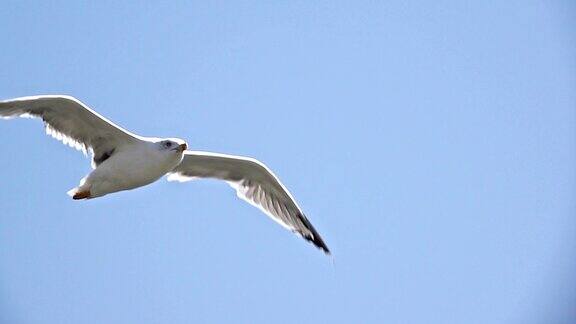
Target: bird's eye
column 168, row 144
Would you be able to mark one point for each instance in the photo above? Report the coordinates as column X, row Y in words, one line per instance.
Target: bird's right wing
column 69, row 120
column 253, row 182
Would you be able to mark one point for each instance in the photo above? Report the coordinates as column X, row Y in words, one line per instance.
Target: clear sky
column 431, row 143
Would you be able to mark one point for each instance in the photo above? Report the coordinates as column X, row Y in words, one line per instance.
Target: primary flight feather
column 123, row 160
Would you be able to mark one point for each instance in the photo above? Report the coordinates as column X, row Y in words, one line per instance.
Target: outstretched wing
column 70, row 121
column 253, row 182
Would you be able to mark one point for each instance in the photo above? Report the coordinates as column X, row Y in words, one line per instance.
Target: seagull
column 122, row 160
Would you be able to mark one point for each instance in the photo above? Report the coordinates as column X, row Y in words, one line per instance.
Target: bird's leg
column 81, row 195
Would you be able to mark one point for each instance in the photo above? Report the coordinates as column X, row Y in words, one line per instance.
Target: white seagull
column 122, row 160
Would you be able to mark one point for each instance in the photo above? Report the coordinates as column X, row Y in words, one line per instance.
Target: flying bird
column 122, row 160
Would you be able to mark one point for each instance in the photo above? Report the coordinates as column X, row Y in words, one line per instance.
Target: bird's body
column 122, row 160
column 131, row 166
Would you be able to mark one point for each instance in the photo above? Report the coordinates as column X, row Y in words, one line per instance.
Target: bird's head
column 172, row 144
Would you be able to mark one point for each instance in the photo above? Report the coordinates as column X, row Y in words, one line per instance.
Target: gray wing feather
column 72, row 122
column 254, row 183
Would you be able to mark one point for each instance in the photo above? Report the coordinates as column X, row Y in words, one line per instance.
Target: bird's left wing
column 69, row 120
column 253, row 182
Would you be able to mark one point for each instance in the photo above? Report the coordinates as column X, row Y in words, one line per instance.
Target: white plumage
column 123, row 160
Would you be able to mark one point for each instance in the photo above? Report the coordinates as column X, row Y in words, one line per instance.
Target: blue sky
column 432, row 145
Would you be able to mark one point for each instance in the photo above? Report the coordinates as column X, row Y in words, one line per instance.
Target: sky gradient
column 433, row 145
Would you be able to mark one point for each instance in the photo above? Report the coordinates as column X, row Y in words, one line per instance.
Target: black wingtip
column 317, row 241
column 315, row 237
